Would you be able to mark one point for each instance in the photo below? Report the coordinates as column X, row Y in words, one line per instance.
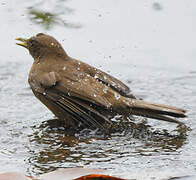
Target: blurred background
column 149, row 45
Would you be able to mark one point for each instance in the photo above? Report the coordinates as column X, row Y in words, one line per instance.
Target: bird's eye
column 32, row 42
column 34, row 47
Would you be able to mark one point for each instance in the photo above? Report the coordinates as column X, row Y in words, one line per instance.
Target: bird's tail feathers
column 155, row 111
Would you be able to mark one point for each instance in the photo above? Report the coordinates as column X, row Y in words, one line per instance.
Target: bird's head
column 42, row 46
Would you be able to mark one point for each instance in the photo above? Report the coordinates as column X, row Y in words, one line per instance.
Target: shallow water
column 148, row 45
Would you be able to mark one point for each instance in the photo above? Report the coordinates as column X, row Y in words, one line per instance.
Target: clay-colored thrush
column 79, row 93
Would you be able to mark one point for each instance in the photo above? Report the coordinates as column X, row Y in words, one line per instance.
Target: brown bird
column 79, row 93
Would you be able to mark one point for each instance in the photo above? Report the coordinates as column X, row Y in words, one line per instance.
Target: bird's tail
column 155, row 111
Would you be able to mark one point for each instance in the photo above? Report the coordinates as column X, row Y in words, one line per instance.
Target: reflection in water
column 47, row 18
column 54, row 146
column 44, row 18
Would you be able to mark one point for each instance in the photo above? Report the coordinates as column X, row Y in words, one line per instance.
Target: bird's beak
column 23, row 42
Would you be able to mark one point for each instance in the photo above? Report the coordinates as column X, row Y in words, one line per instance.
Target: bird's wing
column 79, row 111
column 87, row 88
column 81, row 96
column 105, row 78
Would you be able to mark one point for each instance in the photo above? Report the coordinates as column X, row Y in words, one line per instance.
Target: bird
column 80, row 94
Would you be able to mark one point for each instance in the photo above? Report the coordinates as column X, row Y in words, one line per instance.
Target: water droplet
column 116, row 95
column 96, row 76
column 105, row 89
column 80, row 75
column 114, row 84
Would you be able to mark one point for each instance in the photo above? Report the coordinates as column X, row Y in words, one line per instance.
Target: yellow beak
column 23, row 42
